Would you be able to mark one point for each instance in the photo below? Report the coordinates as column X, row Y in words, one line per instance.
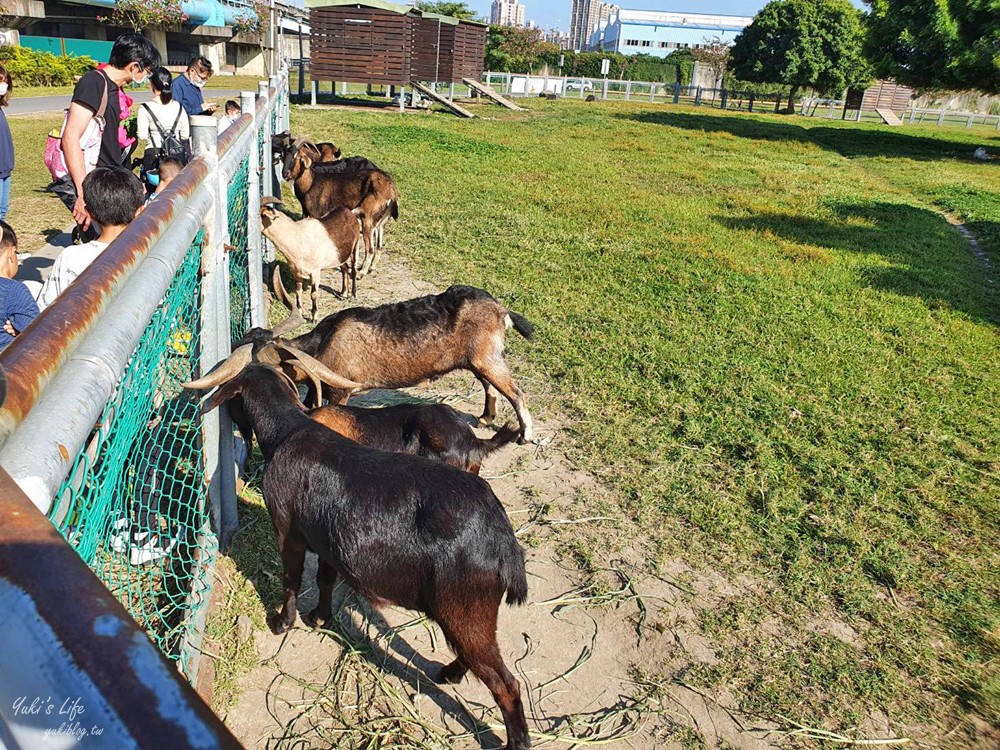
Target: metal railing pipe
column 254, row 237
column 39, row 454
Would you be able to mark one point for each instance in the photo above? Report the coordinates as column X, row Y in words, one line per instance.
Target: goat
column 284, row 143
column 431, row 430
column 404, row 343
column 320, row 187
column 398, row 529
column 310, row 245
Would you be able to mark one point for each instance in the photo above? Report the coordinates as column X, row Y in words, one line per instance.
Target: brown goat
column 405, row 343
column 321, row 187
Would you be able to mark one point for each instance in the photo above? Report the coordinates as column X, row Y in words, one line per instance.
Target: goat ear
column 222, row 394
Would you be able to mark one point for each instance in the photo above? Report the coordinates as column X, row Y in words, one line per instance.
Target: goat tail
column 520, row 324
column 504, row 436
column 394, row 210
column 512, row 573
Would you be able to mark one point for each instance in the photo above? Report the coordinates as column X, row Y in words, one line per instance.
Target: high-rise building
column 507, row 13
column 587, row 14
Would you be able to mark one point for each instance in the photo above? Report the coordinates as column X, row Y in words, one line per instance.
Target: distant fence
column 97, row 429
column 521, row 85
column 837, row 109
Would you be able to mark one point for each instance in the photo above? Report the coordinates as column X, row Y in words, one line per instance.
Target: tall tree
column 455, row 10
column 804, row 44
column 934, row 44
column 515, row 50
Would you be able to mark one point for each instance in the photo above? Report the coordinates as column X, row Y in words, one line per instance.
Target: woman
column 162, row 116
column 6, row 143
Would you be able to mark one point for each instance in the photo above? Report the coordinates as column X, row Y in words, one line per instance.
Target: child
column 233, row 112
column 113, row 198
column 17, row 308
column 168, row 170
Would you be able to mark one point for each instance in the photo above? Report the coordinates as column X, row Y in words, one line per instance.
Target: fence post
column 697, row 97
column 968, row 124
column 652, row 91
column 215, row 343
column 829, row 115
column 777, row 104
column 677, row 93
column 255, row 258
column 267, row 185
column 628, row 90
column 750, row 103
column 722, row 99
column 508, row 83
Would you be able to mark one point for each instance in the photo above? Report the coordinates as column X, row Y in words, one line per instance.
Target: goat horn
column 294, row 318
column 317, row 369
column 270, row 200
column 224, row 371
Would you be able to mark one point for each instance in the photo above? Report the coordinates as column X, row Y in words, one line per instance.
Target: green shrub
column 28, row 67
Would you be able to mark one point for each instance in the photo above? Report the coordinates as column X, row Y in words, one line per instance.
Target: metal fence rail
column 97, row 430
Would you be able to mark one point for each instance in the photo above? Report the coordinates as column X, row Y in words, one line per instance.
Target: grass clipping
column 370, row 699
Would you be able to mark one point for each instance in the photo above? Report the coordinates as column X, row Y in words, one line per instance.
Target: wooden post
column 677, row 93
column 652, row 91
column 628, row 90
column 302, row 65
column 402, row 99
column 722, row 99
column 313, row 90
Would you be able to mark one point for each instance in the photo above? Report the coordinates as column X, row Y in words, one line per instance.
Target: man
column 132, row 58
column 187, row 87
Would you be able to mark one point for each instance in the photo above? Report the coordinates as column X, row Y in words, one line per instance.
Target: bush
column 30, row 67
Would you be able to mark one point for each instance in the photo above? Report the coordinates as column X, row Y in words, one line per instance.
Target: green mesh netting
column 239, row 257
column 135, row 502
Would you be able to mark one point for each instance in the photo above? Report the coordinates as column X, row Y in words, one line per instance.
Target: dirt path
column 591, row 648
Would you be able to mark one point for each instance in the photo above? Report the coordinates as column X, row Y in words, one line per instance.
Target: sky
column 549, row 13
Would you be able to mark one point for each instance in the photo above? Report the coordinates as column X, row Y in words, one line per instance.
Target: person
column 17, row 306
column 6, row 143
column 132, row 59
column 127, row 142
column 169, row 169
column 113, row 197
column 187, row 88
column 162, row 115
column 232, row 114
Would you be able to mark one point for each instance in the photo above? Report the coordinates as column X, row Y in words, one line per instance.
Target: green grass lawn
column 772, row 346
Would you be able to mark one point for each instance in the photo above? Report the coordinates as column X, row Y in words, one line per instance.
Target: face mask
column 141, row 81
column 3, row 88
column 199, row 82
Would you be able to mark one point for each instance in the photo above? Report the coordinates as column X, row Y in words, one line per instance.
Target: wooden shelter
column 381, row 42
column 883, row 94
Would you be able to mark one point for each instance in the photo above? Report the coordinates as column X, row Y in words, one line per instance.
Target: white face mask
column 3, row 88
column 199, row 82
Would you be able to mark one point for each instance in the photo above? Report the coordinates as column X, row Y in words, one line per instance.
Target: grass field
column 772, row 345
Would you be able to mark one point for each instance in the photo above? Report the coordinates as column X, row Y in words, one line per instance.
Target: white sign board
column 605, row 66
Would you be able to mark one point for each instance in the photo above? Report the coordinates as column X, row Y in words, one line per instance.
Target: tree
column 932, row 44
column 455, row 10
column 515, row 50
column 804, row 44
column 144, row 14
column 715, row 54
column 256, row 22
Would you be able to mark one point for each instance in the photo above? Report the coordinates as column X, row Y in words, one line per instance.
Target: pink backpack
column 90, row 142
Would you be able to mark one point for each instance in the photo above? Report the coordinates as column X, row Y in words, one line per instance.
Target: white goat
column 310, row 245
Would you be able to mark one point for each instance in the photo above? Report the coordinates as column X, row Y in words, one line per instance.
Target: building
column 507, row 13
column 557, row 37
column 211, row 29
column 648, row 32
column 584, row 17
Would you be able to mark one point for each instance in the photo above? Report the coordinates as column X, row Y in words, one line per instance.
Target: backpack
column 171, row 147
column 90, row 141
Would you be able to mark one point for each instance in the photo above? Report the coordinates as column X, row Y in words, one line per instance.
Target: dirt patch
column 600, row 650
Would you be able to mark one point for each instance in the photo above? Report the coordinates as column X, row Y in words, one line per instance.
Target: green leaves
column 804, row 43
column 936, row 44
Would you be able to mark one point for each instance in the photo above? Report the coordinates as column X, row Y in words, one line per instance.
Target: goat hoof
column 279, row 625
column 315, row 619
column 450, row 674
column 486, row 421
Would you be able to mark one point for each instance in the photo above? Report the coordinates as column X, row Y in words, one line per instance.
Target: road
column 37, row 104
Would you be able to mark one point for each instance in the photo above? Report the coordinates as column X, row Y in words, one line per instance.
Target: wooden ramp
column 888, row 116
column 442, row 100
column 485, row 90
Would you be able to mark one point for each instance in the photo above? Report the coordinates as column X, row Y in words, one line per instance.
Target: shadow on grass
column 255, row 553
column 909, row 238
column 848, row 142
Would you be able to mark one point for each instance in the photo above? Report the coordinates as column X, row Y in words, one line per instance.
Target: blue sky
column 548, row 13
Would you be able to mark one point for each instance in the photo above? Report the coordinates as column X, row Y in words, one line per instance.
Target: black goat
column 398, row 529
